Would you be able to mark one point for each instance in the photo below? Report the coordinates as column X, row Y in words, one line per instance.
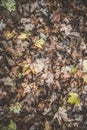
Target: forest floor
column 43, row 66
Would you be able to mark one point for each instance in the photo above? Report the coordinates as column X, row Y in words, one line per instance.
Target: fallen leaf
column 62, row 115
column 39, row 43
column 48, row 126
column 74, row 99
column 20, row 93
column 66, row 28
column 23, row 36
column 8, row 35
column 84, row 65
column 85, row 79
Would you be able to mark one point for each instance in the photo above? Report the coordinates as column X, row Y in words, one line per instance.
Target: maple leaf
column 74, row 99
column 39, row 43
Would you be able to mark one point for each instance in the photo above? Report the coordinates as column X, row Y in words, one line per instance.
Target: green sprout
column 8, row 4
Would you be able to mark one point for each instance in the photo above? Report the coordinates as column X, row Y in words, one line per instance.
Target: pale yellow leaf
column 39, row 43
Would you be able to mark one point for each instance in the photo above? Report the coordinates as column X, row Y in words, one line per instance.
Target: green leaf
column 73, row 99
column 8, row 4
column 16, row 108
column 19, row 75
column 12, row 126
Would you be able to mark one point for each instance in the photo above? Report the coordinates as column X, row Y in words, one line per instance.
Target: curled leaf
column 74, row 99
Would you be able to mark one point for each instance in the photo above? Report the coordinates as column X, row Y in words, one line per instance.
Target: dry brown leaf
column 47, row 126
column 20, row 93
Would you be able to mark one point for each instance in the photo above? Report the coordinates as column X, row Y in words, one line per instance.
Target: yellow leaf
column 8, row 35
column 23, row 36
column 47, row 126
column 74, row 99
column 39, row 43
column 73, row 70
column 85, row 79
column 26, row 70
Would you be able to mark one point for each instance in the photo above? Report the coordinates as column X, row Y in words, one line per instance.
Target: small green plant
column 11, row 126
column 73, row 70
column 8, row 4
column 19, row 75
column 16, row 108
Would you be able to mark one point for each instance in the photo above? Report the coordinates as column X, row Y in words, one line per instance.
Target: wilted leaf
column 74, row 99
column 84, row 65
column 39, row 43
column 8, row 35
column 16, row 108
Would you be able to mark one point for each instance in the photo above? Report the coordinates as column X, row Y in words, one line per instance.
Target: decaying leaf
column 39, row 43
column 62, row 115
column 15, row 108
column 20, row 93
column 84, row 65
column 47, row 126
column 66, row 28
column 74, row 99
